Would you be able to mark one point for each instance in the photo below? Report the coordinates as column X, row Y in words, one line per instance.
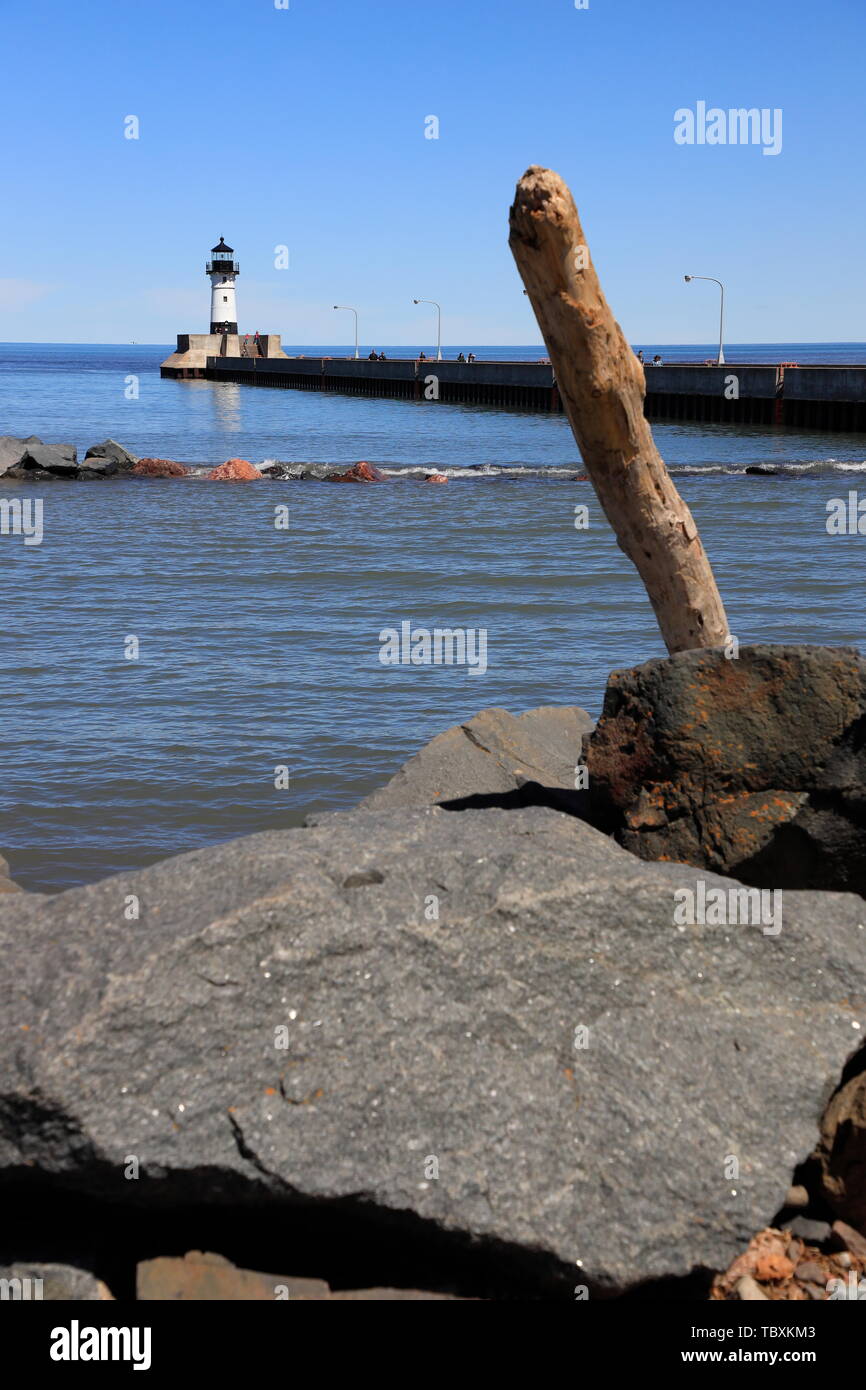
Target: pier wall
column 195, row 350
column 828, row 398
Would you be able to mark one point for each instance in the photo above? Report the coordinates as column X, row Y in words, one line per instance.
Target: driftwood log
column 602, row 387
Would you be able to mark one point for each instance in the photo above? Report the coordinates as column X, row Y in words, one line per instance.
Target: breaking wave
column 564, row 472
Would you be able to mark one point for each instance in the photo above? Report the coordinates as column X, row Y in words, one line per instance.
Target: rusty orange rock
column 362, row 472
column 745, row 761
column 235, row 471
column 159, row 468
column 772, row 1265
column 436, row 478
column 201, row 1276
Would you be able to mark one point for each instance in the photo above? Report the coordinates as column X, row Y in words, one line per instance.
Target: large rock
column 362, row 472
column 379, row 1016
column 109, row 457
column 6, row 884
column 31, row 458
column 204, row 1277
column 235, row 471
column 754, row 767
column 33, row 1282
column 494, row 756
column 56, row 460
column 13, row 451
column 842, row 1150
column 159, row 468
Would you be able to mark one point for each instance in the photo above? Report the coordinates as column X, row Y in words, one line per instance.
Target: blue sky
column 305, row 127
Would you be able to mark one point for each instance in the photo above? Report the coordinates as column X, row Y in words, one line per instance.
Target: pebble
column 849, row 1238
column 814, row 1232
column 797, row 1198
column 748, row 1291
column 816, row 1292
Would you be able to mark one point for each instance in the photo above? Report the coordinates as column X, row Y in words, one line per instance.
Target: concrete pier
column 810, row 397
column 195, row 350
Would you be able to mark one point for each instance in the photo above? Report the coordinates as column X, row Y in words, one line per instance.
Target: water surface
column 259, row 647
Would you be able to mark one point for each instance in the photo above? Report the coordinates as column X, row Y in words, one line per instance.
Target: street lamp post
column 439, row 324
column 720, row 360
column 355, row 312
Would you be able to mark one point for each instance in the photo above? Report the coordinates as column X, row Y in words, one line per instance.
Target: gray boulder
column 109, row 457
column 58, row 459
column 98, row 467
column 381, row 1013
column 6, row 884
column 35, row 1282
column 13, row 451
column 495, row 757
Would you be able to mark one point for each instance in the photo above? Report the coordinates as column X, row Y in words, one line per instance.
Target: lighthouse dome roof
column 222, row 247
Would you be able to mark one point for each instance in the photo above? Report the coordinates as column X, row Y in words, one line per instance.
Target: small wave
column 559, row 472
column 767, row 467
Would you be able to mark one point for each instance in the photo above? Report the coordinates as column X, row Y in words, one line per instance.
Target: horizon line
column 730, row 343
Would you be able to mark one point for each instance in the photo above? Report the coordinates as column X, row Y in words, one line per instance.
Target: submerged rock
column 159, row 468
column 482, row 1027
column 754, row 767
column 234, row 471
column 359, row 473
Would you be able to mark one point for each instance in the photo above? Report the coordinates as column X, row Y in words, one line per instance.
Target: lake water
column 259, row 647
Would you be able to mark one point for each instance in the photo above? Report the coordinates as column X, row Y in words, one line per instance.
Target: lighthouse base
column 194, row 349
column 224, row 328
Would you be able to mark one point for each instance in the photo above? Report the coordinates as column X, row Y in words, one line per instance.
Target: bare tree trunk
column 602, row 387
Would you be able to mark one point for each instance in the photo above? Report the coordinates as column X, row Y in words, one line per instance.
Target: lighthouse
column 214, row 355
column 222, row 269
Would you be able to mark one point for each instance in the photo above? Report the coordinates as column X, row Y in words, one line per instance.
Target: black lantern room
column 222, row 260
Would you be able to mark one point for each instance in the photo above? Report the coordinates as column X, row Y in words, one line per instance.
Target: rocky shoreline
column 464, row 1031
column 34, row 461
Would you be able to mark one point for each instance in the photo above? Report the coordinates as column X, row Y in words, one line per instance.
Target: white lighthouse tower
column 214, row 355
column 222, row 269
